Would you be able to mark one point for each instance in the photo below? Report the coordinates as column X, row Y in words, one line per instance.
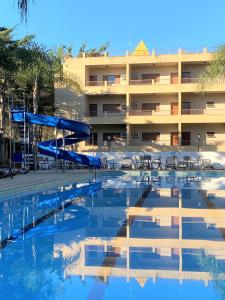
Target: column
column 128, row 134
column 179, row 117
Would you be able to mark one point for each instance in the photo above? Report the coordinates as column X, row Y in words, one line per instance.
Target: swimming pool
column 125, row 235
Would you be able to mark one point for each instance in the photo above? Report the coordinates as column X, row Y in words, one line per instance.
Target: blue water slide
column 81, row 132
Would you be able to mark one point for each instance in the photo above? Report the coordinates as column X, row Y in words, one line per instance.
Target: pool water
column 124, row 235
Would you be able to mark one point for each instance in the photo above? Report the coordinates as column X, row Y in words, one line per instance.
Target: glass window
column 150, row 136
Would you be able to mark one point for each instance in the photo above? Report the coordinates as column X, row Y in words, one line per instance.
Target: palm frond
column 23, row 6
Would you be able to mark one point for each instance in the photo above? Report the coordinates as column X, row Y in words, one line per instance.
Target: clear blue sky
column 162, row 24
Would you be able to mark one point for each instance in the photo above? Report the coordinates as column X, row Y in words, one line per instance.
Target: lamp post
column 199, row 138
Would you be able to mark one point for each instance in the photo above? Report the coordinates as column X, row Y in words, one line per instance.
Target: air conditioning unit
column 136, row 135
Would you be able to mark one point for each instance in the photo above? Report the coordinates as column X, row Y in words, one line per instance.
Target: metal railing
column 140, row 142
column 159, row 51
column 105, row 144
column 106, row 114
column 105, row 83
column 190, row 80
column 203, row 111
column 140, row 112
column 157, row 81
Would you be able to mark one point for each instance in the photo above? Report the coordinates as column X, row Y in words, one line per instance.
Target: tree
column 93, row 51
column 215, row 71
column 23, row 6
column 27, row 67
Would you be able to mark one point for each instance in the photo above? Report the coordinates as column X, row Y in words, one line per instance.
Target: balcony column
column 128, row 74
column 128, row 133
column 179, row 134
column 179, row 72
column 179, row 117
column 127, row 116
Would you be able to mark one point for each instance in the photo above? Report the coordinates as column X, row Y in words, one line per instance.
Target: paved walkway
column 31, row 182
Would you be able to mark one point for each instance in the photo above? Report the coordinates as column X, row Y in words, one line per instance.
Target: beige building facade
column 146, row 102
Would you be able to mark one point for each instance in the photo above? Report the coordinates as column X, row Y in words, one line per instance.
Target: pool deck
column 40, row 180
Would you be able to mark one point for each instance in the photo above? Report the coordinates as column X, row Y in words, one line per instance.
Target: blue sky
column 162, row 24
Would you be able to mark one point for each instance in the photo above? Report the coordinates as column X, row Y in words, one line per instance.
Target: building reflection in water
column 147, row 229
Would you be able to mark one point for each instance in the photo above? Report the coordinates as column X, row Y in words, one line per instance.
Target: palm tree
column 215, row 71
column 23, row 6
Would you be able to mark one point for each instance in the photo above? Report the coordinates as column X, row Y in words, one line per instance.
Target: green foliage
column 32, row 68
column 215, row 71
column 93, row 51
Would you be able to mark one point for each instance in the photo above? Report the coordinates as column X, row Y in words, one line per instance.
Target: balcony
column 192, row 84
column 139, row 116
column 190, row 80
column 106, row 117
column 201, row 115
column 105, row 87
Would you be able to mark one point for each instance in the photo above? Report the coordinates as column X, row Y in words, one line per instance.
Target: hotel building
column 145, row 101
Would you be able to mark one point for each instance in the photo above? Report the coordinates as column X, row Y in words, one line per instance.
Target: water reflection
column 143, row 227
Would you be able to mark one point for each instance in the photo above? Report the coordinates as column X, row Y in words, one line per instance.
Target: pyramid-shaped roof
column 142, row 281
column 141, row 49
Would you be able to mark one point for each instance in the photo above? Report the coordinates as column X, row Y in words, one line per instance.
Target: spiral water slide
column 81, row 132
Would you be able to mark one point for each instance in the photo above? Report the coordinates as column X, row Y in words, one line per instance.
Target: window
column 93, row 108
column 150, row 106
column 111, row 79
column 210, row 104
column 135, row 76
column 186, row 74
column 150, row 136
column 111, row 108
column 94, row 138
column 185, row 138
column 135, row 135
column 113, row 135
column 93, row 80
column 211, row 134
column 186, row 77
column 155, row 77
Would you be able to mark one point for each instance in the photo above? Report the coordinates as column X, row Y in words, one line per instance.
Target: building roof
column 141, row 49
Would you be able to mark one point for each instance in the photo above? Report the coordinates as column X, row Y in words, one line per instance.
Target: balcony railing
column 139, row 142
column 105, row 83
column 106, row 114
column 136, row 112
column 189, row 80
column 157, row 81
column 115, row 143
column 203, row 111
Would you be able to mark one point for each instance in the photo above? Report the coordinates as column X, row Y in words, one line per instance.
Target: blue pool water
column 125, row 235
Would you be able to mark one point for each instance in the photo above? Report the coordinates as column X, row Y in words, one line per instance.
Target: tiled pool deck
column 34, row 181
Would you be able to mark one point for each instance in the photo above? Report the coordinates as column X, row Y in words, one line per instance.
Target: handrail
column 105, row 83
column 107, row 114
column 203, row 111
column 190, row 80
column 140, row 112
